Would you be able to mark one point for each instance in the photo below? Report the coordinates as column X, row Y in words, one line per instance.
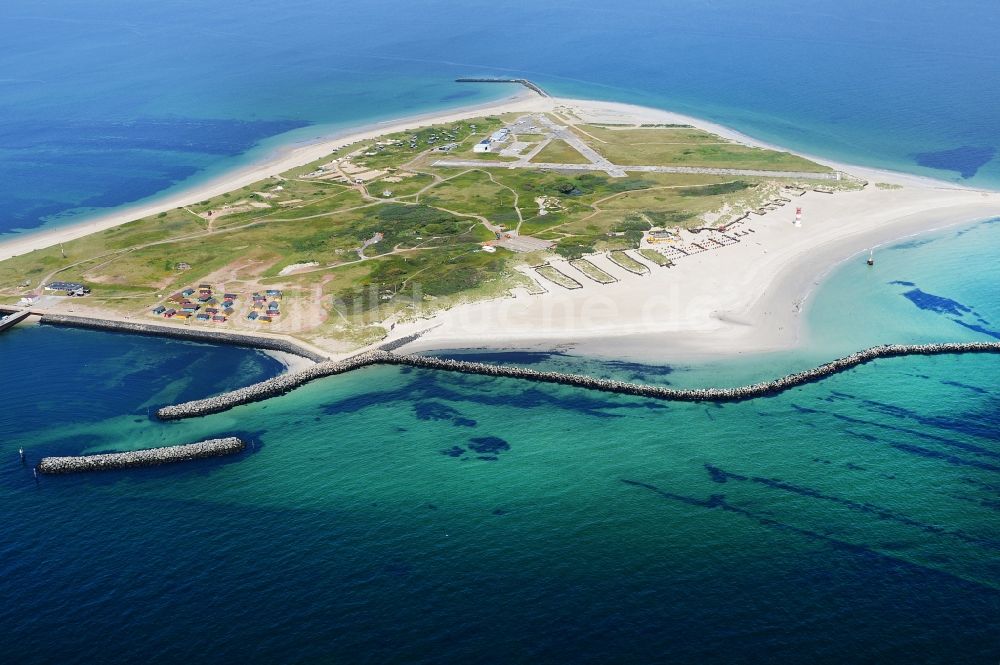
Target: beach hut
column 264, row 319
column 169, row 313
column 187, row 292
column 159, row 309
column 219, row 319
column 252, row 316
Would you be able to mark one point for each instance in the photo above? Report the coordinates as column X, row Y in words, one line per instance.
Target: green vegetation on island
column 385, row 228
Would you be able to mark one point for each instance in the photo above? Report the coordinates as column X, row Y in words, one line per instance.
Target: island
column 539, row 221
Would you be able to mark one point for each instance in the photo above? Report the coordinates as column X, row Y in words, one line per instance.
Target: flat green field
column 685, row 146
column 559, row 152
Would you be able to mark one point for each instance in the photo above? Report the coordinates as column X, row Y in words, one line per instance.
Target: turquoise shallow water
column 395, row 515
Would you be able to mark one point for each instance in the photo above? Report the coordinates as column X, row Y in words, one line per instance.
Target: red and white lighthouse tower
column 798, row 217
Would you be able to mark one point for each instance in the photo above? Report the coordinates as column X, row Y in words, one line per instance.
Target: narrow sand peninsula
column 274, row 164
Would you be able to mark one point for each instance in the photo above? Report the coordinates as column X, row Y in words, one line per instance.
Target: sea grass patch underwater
column 398, row 510
column 854, row 496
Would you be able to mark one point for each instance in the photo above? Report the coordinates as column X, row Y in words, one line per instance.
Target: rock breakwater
column 278, row 385
column 282, row 384
column 141, row 458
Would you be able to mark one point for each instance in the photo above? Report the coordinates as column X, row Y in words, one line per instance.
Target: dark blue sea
column 395, row 515
column 111, row 101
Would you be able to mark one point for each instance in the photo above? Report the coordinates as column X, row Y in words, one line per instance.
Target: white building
column 486, row 145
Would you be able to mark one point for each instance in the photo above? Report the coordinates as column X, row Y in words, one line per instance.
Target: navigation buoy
column 871, row 257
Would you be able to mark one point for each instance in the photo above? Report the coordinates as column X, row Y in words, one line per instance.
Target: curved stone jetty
column 139, row 458
column 278, row 385
column 286, row 382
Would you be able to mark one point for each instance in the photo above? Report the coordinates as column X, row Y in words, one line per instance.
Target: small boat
column 871, row 257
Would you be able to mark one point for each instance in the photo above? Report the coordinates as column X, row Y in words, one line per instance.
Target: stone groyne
column 525, row 82
column 212, row 336
column 141, row 458
column 283, row 384
column 278, row 385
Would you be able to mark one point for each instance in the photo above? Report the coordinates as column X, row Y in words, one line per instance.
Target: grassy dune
column 433, row 223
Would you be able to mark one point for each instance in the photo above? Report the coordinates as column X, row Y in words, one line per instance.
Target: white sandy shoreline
column 291, row 362
column 295, row 155
column 282, row 159
column 775, row 320
column 746, row 298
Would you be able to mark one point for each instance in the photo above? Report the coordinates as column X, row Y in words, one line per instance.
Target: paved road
column 13, row 319
column 600, row 163
column 596, row 159
column 475, row 163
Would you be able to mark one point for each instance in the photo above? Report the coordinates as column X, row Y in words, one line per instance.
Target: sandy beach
column 273, row 164
column 292, row 362
column 744, row 298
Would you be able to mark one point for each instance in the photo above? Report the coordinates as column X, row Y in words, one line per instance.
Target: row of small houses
column 263, row 311
column 210, row 314
column 188, row 305
column 187, row 308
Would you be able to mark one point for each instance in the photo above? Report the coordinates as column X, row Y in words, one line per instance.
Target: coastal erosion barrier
column 141, row 458
column 282, row 384
column 213, row 336
column 278, row 385
column 525, row 82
